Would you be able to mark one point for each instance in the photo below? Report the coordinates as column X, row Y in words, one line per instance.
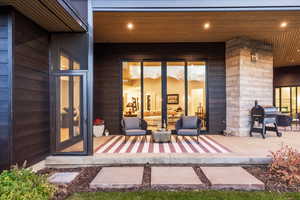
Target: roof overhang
column 52, row 15
column 188, row 5
column 175, row 27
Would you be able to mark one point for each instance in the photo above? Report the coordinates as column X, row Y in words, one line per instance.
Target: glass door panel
column 64, row 109
column 77, row 84
column 294, row 102
column 152, row 79
column 175, row 92
column 197, row 91
column 298, row 99
column 277, row 98
column 71, row 133
column 286, row 100
column 131, row 89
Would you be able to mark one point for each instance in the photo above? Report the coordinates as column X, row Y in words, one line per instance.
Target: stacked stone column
column 249, row 77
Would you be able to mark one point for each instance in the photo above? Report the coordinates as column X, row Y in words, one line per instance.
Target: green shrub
column 23, row 184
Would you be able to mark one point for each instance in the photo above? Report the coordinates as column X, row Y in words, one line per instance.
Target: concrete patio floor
column 245, row 150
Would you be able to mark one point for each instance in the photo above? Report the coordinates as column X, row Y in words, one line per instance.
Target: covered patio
column 213, row 65
column 224, row 150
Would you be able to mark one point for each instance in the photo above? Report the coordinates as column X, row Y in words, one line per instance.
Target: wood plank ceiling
column 188, row 27
column 49, row 14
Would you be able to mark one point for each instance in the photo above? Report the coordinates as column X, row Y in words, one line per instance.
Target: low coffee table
column 161, row 136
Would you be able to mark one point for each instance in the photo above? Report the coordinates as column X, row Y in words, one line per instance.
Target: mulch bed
column 87, row 174
column 272, row 184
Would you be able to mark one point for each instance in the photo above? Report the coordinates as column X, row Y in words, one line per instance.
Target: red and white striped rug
column 186, row 144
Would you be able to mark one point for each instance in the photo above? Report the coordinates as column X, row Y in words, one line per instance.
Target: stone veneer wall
column 246, row 81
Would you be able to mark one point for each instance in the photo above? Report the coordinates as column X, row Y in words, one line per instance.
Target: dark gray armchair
column 133, row 126
column 188, row 126
column 284, row 121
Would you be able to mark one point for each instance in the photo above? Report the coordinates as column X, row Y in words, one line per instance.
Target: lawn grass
column 189, row 195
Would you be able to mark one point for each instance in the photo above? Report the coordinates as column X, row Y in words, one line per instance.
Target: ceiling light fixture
column 130, row 26
column 206, row 26
column 283, row 24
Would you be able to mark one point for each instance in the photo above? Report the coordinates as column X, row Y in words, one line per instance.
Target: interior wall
column 108, row 76
column 31, row 104
column 287, row 76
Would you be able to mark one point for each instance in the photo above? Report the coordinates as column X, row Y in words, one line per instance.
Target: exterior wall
column 108, row 78
column 5, row 67
column 247, row 81
column 191, row 3
column 31, row 100
column 81, row 7
column 287, row 76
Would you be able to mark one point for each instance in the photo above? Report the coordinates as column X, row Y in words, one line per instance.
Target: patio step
column 174, row 177
column 177, row 177
column 118, row 177
column 164, row 158
column 235, row 178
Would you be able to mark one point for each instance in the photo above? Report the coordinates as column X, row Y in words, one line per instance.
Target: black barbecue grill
column 264, row 115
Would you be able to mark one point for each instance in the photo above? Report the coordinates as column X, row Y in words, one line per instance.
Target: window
column 287, row 100
column 197, row 90
column 162, row 92
column 152, row 94
column 67, row 63
column 132, row 89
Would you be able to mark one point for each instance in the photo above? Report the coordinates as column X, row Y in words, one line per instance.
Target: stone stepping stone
column 118, row 177
column 63, row 177
column 174, row 177
column 235, row 178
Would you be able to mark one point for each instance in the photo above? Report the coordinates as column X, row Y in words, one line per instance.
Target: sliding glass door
column 152, row 94
column 163, row 91
column 287, row 100
column 175, row 99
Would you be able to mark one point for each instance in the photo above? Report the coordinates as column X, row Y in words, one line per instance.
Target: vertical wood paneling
column 107, row 76
column 31, row 138
column 287, row 76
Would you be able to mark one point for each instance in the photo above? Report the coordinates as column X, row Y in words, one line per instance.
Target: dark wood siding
column 107, row 76
column 287, row 76
column 5, row 65
column 31, row 138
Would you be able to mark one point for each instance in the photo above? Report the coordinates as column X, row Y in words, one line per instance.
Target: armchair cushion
column 135, row 132
column 131, row 123
column 189, row 122
column 284, row 120
column 189, row 132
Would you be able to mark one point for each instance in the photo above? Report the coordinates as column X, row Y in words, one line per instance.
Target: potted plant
column 98, row 127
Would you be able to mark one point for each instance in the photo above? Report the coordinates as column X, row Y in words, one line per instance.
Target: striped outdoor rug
column 117, row 144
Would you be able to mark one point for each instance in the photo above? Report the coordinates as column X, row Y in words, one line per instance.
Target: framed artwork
column 172, row 98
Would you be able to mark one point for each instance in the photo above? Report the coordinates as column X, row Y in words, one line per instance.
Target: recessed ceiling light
column 130, row 26
column 206, row 26
column 298, row 50
column 283, row 24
